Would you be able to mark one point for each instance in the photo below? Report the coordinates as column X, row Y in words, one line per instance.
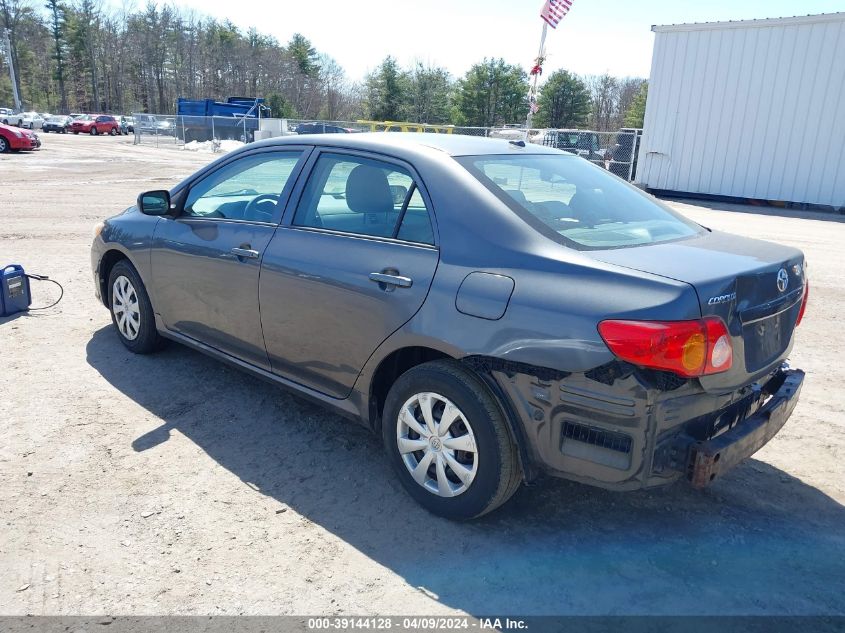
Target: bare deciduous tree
column 90, row 55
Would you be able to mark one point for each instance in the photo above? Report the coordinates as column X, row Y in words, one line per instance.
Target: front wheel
column 131, row 310
column 4, row 145
column 448, row 441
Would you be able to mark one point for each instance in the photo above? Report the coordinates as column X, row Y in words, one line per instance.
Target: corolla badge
column 783, row 279
column 721, row 299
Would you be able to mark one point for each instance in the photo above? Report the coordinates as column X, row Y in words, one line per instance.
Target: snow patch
column 213, row 147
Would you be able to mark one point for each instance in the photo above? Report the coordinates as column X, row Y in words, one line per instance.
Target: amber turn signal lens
column 692, row 356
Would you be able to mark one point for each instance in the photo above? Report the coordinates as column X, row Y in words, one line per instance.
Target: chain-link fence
column 614, row 151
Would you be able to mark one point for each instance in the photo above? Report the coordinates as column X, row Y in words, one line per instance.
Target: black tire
column 75, row 132
column 147, row 339
column 94, row 131
column 4, row 145
column 498, row 473
column 113, row 132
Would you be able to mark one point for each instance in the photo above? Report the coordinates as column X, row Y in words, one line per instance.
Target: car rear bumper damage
column 711, row 458
column 625, row 428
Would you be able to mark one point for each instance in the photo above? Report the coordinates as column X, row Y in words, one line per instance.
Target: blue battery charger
column 15, row 295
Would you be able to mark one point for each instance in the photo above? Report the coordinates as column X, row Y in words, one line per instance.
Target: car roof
column 390, row 142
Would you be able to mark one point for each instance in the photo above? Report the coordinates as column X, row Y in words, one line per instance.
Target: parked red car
column 94, row 124
column 13, row 139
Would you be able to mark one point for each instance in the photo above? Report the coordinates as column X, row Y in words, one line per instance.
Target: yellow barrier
column 404, row 126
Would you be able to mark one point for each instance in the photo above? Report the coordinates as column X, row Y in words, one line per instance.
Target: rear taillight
column 803, row 302
column 688, row 348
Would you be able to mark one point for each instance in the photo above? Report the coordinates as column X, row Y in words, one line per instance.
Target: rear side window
column 358, row 195
column 578, row 203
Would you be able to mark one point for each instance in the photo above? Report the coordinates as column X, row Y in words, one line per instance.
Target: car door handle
column 245, row 252
column 391, row 280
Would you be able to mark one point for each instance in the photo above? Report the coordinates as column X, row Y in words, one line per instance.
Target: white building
column 750, row 109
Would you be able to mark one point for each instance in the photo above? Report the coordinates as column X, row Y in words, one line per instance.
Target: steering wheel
column 253, row 207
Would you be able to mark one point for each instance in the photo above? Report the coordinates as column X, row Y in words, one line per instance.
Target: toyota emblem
column 783, row 279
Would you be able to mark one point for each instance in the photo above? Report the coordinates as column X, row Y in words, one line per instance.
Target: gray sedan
column 494, row 310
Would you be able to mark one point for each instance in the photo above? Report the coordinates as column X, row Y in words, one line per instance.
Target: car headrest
column 588, row 204
column 367, row 190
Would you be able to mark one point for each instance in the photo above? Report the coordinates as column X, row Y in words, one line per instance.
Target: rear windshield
column 580, row 204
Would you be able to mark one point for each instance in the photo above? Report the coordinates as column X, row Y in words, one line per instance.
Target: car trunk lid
column 755, row 287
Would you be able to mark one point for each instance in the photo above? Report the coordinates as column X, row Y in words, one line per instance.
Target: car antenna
column 517, row 143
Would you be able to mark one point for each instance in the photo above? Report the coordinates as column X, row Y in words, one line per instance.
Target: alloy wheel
column 127, row 311
column 437, row 444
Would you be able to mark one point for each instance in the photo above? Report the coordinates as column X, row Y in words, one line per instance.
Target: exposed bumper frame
column 710, row 459
column 679, row 433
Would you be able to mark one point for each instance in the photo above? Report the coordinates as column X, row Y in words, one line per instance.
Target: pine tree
column 635, row 115
column 564, row 102
column 492, row 93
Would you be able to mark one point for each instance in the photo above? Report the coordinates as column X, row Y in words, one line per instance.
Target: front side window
column 247, row 189
column 364, row 196
column 572, row 200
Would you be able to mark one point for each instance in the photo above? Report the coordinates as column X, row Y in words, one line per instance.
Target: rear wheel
column 131, row 310
column 113, row 132
column 94, row 131
column 448, row 441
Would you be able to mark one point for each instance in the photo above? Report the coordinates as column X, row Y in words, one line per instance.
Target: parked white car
column 31, row 120
column 9, row 117
column 513, row 133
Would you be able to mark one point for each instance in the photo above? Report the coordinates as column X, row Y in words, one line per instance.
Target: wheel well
column 106, row 264
column 391, row 367
column 400, row 361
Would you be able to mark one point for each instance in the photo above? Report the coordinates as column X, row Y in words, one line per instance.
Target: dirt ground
column 170, row 484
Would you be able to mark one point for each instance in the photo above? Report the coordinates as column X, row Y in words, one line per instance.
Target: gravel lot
column 171, row 484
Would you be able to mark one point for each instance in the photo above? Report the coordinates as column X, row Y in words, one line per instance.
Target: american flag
column 554, row 10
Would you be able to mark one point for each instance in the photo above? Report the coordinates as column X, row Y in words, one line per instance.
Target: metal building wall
column 753, row 109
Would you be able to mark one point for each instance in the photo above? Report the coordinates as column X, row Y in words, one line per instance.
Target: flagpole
column 532, row 91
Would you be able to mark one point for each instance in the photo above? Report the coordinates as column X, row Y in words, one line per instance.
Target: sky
column 596, row 36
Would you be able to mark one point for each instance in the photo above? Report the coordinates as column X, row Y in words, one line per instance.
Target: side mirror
column 154, row 202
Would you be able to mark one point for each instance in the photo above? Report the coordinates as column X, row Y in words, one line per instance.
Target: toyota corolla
column 494, row 310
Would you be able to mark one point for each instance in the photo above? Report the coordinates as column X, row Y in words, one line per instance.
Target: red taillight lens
column 803, row 302
column 688, row 348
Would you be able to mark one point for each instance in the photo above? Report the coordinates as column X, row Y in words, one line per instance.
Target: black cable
column 52, row 281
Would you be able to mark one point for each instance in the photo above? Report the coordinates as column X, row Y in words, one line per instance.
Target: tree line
column 74, row 55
